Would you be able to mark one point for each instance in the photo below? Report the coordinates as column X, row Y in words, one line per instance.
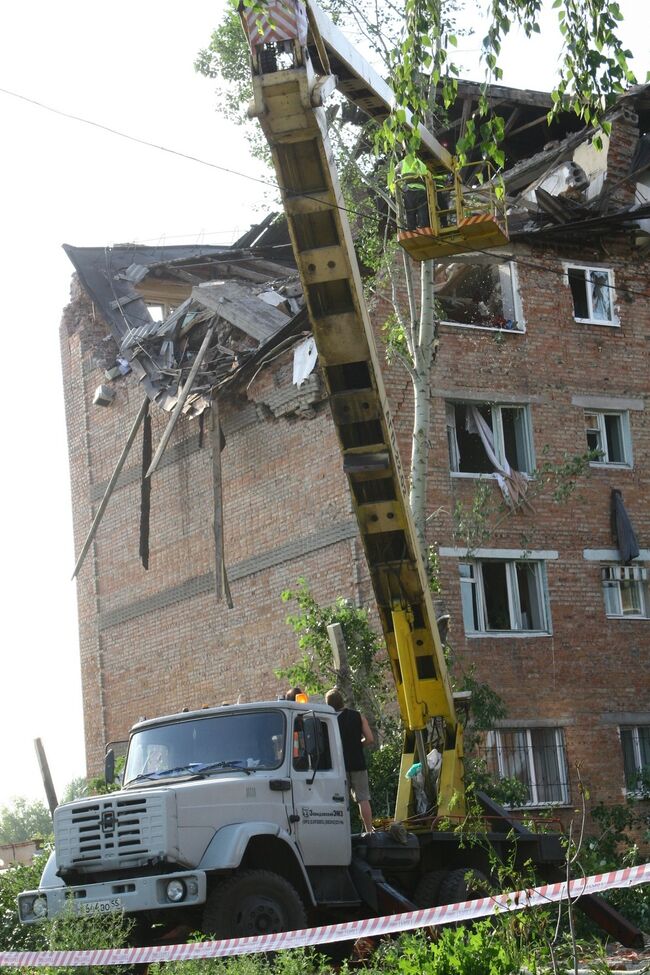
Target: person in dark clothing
column 416, row 205
column 355, row 735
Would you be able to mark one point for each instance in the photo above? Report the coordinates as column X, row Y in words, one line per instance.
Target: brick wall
column 159, row 640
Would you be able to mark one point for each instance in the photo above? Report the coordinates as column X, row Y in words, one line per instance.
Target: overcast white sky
column 126, row 64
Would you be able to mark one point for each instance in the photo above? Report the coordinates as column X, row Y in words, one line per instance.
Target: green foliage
column 315, row 671
column 15, row 936
column 300, row 961
column 76, row 789
column 226, row 58
column 68, row 931
column 593, row 70
column 476, row 523
column 621, row 830
column 369, row 678
column 24, row 819
column 481, row 949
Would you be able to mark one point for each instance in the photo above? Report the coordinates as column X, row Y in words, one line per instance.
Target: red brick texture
column 283, row 483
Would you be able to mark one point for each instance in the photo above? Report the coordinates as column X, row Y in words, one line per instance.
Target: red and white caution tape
column 518, row 900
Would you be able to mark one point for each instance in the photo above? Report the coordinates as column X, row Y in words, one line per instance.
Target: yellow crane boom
column 288, row 103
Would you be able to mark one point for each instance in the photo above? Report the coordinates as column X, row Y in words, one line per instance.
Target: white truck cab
column 256, row 791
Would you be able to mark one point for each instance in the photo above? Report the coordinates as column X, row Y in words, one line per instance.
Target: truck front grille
column 111, row 831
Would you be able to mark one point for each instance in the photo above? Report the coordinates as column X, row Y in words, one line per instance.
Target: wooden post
column 111, row 485
column 45, row 775
column 182, row 397
column 222, row 589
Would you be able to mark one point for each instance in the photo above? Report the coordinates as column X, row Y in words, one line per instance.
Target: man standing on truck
column 355, row 735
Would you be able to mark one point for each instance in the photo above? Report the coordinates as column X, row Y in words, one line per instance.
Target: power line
column 275, row 185
column 135, row 138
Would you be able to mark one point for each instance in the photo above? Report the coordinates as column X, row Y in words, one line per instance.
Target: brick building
column 543, row 356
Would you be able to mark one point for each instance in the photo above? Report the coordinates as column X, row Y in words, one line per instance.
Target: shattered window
column 534, row 756
column 478, row 294
column 608, row 433
column 635, row 740
column 625, row 588
column 592, row 293
column 500, row 596
column 484, row 438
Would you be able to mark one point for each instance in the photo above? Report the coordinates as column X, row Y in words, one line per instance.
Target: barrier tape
column 517, row 900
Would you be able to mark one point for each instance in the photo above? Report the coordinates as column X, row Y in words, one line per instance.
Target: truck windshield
column 249, row 741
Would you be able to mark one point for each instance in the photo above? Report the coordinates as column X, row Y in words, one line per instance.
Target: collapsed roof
column 241, row 296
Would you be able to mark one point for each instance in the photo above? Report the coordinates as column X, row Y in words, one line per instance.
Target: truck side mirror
column 109, row 767
column 311, row 729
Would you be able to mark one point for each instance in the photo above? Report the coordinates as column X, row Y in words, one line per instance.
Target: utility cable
column 276, row 186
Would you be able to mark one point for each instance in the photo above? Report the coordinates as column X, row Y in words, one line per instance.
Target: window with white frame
column 483, row 295
column 635, row 740
column 534, row 756
column 626, row 591
column 504, row 596
column 592, row 290
column 608, row 432
column 484, row 437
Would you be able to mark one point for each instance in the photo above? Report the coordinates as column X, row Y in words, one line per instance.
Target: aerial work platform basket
column 437, row 216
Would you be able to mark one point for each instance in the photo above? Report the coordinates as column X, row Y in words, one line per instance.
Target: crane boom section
column 287, row 103
column 360, row 83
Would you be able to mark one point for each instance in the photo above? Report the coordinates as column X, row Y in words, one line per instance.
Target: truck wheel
column 428, row 890
column 253, row 902
column 465, row 884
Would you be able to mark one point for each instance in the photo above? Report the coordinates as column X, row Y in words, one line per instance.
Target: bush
column 477, row 950
column 15, row 936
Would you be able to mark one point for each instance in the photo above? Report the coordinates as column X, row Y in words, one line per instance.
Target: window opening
column 485, row 439
column 635, row 740
column 534, row 756
column 591, row 290
column 625, row 589
column 478, row 294
column 608, row 433
column 499, row 596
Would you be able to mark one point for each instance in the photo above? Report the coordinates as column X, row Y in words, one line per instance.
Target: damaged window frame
column 506, row 269
column 603, row 443
column 524, row 464
column 588, row 270
column 529, row 745
column 625, row 591
column 476, row 608
column 635, row 770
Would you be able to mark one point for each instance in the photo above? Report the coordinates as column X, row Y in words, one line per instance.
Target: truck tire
column 465, row 884
column 427, row 891
column 253, row 902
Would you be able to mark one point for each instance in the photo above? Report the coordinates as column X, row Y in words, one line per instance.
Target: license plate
column 101, row 907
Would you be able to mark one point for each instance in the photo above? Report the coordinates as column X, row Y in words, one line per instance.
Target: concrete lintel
column 625, row 717
column 612, row 555
column 608, row 402
column 488, row 396
column 452, row 552
column 506, row 723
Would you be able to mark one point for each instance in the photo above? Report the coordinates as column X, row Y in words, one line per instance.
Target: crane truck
column 235, row 820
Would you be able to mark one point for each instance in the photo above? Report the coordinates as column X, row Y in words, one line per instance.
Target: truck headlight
column 175, row 891
column 39, row 907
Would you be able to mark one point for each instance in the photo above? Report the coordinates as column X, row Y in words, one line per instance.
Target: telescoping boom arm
column 288, row 103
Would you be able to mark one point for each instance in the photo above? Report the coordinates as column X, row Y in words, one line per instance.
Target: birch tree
column 414, row 40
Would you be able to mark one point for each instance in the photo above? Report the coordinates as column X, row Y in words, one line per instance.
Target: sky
column 127, row 65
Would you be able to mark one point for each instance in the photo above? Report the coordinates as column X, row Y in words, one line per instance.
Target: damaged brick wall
column 158, row 641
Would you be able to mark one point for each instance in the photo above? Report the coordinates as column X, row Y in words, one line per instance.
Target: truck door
column 321, row 812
